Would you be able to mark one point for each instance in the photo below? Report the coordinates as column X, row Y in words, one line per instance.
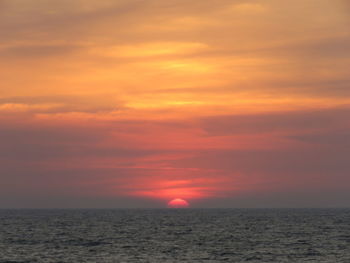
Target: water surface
column 175, row 235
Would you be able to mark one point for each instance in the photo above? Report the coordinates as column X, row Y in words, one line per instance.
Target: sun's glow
column 178, row 203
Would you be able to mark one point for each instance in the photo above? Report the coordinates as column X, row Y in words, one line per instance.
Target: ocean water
column 175, row 235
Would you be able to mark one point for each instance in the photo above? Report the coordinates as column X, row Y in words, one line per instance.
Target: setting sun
column 178, row 203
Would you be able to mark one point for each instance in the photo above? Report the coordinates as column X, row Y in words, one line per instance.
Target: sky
column 132, row 103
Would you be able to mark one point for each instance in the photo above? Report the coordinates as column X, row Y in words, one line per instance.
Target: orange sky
column 133, row 103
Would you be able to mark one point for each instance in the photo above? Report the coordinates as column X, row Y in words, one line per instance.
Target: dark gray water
column 208, row 235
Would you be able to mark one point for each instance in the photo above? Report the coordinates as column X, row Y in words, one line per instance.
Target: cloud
column 38, row 51
column 248, row 8
column 289, row 122
column 60, row 104
column 38, row 141
column 263, row 171
column 151, row 49
column 332, row 138
column 58, row 18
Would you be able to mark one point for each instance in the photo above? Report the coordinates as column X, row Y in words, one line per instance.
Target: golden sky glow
column 173, row 99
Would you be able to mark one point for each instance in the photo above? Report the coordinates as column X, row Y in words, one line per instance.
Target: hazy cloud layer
column 132, row 103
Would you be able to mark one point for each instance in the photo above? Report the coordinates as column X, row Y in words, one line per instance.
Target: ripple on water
column 202, row 235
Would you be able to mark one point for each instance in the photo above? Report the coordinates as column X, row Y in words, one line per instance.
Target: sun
column 178, row 203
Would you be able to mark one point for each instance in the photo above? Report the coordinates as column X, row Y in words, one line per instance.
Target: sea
column 175, row 235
